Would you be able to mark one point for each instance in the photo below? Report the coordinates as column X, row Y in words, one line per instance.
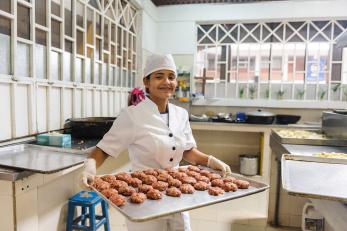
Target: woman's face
column 161, row 84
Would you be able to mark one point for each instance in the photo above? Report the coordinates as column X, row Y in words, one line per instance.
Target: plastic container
column 312, row 220
column 249, row 165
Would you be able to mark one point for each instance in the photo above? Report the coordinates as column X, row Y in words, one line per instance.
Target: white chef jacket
column 150, row 141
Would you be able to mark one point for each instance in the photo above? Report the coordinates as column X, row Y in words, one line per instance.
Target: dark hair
column 147, row 77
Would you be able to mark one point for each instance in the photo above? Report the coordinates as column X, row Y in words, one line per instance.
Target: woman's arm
column 98, row 155
column 195, row 157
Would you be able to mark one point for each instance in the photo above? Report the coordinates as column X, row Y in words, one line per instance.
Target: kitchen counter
column 279, row 149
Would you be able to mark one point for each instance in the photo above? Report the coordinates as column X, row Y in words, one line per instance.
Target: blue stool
column 87, row 200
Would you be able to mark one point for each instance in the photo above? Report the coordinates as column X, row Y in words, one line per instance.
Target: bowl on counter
column 260, row 117
column 287, row 119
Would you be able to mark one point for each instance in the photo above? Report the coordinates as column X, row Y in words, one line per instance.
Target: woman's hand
column 89, row 171
column 217, row 164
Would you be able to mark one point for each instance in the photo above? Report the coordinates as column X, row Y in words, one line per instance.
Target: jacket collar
column 153, row 107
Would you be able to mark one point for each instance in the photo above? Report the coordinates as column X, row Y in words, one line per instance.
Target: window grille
column 301, row 60
column 61, row 52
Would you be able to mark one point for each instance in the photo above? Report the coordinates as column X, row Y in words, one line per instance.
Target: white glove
column 214, row 163
column 87, row 176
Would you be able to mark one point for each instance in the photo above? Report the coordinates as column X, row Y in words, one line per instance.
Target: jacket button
column 171, row 159
column 174, row 148
column 170, row 134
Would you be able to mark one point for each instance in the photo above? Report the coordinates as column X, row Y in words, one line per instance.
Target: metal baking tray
column 314, row 179
column 312, row 158
column 41, row 159
column 322, row 142
column 152, row 209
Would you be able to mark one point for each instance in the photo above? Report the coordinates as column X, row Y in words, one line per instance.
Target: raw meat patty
column 135, row 182
column 215, row 191
column 154, row 194
column 173, row 192
column 126, row 191
column 175, row 183
column 160, row 185
column 117, row 199
column 109, row 192
column 201, row 186
column 138, row 198
column 187, row 189
column 217, row 183
column 145, row 188
column 149, row 179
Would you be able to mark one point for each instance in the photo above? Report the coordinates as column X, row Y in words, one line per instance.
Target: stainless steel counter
column 279, row 149
column 10, row 173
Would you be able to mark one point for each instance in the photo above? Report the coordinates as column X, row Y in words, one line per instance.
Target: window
column 277, row 60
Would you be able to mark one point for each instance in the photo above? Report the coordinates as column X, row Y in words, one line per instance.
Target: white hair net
column 157, row 62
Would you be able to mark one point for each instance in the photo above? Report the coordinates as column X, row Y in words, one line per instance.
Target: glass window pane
column 336, row 72
column 68, row 46
column 67, row 64
column 106, row 37
column 5, row 45
column 113, row 32
column 55, row 65
column 40, row 12
column 337, row 52
column 79, row 13
column 5, row 26
column 40, row 60
column 41, row 37
column 119, row 41
column 98, row 24
column 68, row 17
column 23, row 22
column 90, row 32
column 80, row 43
column 55, row 33
column 23, row 60
column 5, row 5
column 79, row 68
column 55, row 7
column 98, row 49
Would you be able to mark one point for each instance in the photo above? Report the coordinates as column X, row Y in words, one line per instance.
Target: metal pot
column 260, row 117
column 90, row 127
column 287, row 119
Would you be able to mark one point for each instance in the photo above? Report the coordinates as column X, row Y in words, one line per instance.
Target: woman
column 157, row 135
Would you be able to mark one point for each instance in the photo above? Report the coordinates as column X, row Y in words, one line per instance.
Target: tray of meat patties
column 153, row 193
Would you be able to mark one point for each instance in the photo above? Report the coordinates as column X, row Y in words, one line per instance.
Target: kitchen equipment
column 308, row 137
column 312, row 220
column 222, row 117
column 42, row 159
column 313, row 179
column 151, row 209
column 240, row 117
column 197, row 118
column 287, row 119
column 90, row 127
column 260, row 117
column 334, row 124
column 249, row 164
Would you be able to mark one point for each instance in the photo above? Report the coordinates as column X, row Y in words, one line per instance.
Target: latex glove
column 88, row 173
column 217, row 164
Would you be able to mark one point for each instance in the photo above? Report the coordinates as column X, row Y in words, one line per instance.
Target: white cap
column 157, row 62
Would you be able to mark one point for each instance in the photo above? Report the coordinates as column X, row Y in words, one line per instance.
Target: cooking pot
column 89, row 127
column 260, row 117
column 287, row 119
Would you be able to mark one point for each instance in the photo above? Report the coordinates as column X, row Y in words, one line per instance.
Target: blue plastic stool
column 87, row 200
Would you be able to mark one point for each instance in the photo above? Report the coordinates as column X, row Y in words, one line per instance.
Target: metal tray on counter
column 318, row 159
column 41, row 159
column 314, row 179
column 326, row 141
column 152, row 209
